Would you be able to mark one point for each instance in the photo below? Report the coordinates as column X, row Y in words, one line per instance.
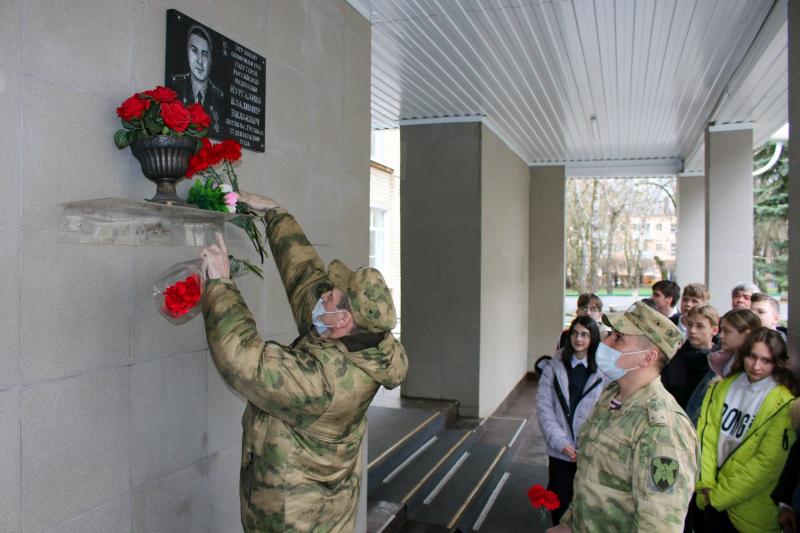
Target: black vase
column 164, row 160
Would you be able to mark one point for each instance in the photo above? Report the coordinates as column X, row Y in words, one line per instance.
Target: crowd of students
column 731, row 376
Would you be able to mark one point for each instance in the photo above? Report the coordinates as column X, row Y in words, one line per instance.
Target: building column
column 794, row 183
column 691, row 240
column 440, row 221
column 729, row 210
column 547, row 261
column 465, row 204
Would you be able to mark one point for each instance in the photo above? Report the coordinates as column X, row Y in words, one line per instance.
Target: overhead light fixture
column 595, row 127
column 782, row 135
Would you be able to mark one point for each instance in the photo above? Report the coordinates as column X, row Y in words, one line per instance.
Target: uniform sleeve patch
column 664, row 471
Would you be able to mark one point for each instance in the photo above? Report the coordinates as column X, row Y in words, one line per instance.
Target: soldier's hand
column 257, row 201
column 215, row 260
column 570, row 452
column 788, row 520
column 559, row 529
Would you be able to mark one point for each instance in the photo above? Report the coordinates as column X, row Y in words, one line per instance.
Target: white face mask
column 607, row 357
column 316, row 316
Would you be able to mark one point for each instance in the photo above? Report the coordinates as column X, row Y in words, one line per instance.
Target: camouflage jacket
column 306, row 403
column 636, row 465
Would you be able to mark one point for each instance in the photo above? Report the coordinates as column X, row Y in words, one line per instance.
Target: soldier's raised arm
column 300, row 266
column 292, row 387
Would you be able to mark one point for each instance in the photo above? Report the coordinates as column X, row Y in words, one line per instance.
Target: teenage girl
column 568, row 389
column 745, row 433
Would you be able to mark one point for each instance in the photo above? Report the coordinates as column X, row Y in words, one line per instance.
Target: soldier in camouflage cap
column 637, row 452
column 642, row 319
column 369, row 298
column 306, row 402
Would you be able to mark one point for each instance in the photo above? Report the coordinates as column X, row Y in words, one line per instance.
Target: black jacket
column 788, row 482
column 687, row 367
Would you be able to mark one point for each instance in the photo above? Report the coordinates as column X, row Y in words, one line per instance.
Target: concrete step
column 418, row 527
column 511, row 507
column 423, row 467
column 446, row 502
column 393, row 435
column 385, row 517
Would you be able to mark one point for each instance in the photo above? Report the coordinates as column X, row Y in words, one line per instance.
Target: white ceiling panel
column 653, row 72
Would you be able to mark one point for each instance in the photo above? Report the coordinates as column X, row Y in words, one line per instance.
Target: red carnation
column 132, row 108
column 230, row 150
column 175, row 116
column 542, row 498
column 199, row 116
column 202, row 159
column 536, row 495
column 551, row 502
column 162, row 95
column 197, row 163
column 182, row 296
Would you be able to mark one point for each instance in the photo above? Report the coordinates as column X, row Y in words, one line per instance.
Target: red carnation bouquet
column 159, row 112
column 218, row 189
column 182, row 296
column 178, row 291
column 543, row 499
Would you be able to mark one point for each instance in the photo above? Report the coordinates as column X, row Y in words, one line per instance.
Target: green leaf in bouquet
column 240, row 267
column 151, row 126
column 250, row 228
column 122, row 139
column 205, row 196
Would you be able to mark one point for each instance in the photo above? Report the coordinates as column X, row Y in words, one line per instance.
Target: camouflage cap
column 641, row 319
column 370, row 300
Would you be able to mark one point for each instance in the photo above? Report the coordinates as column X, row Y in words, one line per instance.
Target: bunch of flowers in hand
column 543, row 499
column 218, row 188
column 182, row 296
column 159, row 112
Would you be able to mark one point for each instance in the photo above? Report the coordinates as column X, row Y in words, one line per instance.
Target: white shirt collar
column 575, row 362
column 765, row 384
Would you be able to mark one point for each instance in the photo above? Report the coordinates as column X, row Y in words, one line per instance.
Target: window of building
column 377, row 219
column 659, row 227
column 658, row 247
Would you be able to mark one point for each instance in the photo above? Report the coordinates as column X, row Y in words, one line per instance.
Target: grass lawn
column 644, row 292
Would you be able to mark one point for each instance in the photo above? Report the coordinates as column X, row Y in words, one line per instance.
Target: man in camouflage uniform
column 637, row 453
column 306, row 403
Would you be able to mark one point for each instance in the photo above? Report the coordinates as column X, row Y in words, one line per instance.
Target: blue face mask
column 606, row 358
column 316, row 316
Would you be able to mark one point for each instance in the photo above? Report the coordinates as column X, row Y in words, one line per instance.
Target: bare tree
column 607, row 228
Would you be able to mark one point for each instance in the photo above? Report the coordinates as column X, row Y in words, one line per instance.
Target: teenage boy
column 768, row 310
column 588, row 304
column 666, row 294
column 690, row 364
column 694, row 294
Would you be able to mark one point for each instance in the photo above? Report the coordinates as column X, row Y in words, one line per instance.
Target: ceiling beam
column 622, row 168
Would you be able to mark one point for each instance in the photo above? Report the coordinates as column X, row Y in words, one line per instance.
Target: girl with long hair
column 745, row 433
column 568, row 389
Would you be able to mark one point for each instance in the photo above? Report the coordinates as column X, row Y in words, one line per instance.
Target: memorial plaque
column 226, row 78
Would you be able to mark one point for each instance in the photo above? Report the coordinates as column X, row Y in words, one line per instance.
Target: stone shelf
column 122, row 221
